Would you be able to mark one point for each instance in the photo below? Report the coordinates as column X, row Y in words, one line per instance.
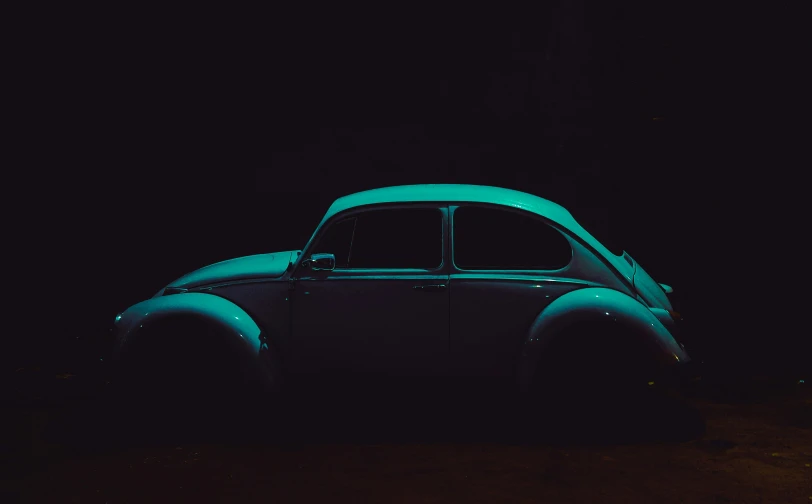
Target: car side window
column 387, row 239
column 494, row 239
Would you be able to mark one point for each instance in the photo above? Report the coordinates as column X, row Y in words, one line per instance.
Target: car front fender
column 596, row 304
column 229, row 319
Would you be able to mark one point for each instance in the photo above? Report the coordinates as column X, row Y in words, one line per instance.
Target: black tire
column 180, row 381
column 593, row 383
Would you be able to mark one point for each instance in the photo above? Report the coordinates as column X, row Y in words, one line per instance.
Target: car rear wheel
column 596, row 382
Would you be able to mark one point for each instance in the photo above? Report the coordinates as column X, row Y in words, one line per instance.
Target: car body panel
column 651, row 291
column 381, row 324
column 597, row 304
column 241, row 268
column 490, row 315
column 242, row 333
column 267, row 302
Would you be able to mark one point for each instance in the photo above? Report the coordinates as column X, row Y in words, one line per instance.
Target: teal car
column 473, row 285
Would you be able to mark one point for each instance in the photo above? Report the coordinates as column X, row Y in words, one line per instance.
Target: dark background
column 167, row 141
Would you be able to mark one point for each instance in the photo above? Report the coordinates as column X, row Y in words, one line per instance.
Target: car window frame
column 562, row 231
column 441, row 208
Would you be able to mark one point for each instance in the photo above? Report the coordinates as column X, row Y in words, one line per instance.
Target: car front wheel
column 178, row 381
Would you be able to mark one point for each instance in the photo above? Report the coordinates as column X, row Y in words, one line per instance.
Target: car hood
column 242, row 268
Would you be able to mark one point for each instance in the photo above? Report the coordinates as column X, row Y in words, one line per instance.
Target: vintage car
column 418, row 284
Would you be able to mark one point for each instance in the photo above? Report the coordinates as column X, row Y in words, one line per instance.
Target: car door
column 384, row 309
column 506, row 267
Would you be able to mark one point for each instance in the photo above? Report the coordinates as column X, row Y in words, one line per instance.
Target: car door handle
column 430, row 288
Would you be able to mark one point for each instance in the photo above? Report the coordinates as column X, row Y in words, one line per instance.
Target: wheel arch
column 595, row 306
column 240, row 330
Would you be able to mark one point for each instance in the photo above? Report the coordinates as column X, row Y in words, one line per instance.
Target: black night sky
column 184, row 140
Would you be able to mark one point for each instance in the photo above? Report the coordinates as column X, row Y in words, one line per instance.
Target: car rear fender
column 591, row 305
column 241, row 332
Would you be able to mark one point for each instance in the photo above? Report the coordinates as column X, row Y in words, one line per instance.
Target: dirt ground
column 756, row 447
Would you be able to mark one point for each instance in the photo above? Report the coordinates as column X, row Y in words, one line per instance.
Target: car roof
column 467, row 193
column 459, row 193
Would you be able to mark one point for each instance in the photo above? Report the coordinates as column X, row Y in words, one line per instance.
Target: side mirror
column 320, row 262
